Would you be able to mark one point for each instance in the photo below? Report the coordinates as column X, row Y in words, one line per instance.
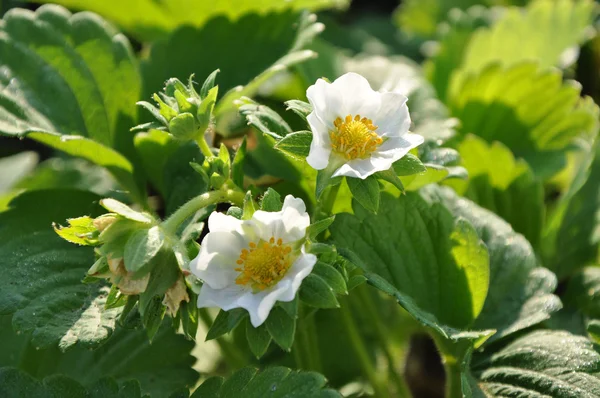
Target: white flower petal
column 219, row 222
column 327, row 102
column 357, row 168
column 357, row 95
column 217, row 258
column 397, row 147
column 226, row 298
column 320, row 147
column 392, row 118
column 289, row 224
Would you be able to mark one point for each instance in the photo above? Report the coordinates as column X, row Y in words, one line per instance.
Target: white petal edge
column 397, row 147
column 357, row 95
column 392, row 118
column 289, row 224
column 217, row 258
column 219, row 222
column 327, row 102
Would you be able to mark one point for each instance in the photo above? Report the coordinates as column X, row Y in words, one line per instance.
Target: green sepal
column 281, row 327
column 391, row 177
column 205, row 109
column 114, row 206
column 315, row 292
column 409, row 164
column 183, row 127
column 225, row 322
column 271, row 201
column 366, row 192
column 208, row 84
column 249, row 206
column 142, row 247
column 258, row 339
column 81, row 231
column 316, row 228
column 331, row 276
column 165, row 110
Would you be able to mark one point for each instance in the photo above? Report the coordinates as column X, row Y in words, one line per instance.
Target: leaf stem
column 361, row 351
column 199, row 202
column 452, row 368
column 204, row 148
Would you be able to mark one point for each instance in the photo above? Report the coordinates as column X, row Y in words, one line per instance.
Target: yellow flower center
column 264, row 264
column 354, row 137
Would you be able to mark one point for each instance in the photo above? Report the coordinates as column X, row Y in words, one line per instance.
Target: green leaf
column 79, row 231
column 14, row 168
column 85, row 102
column 409, row 164
column 142, row 248
column 155, row 148
column 583, row 291
column 281, row 327
column 296, row 144
column 271, row 201
column 366, row 192
column 504, row 185
column 16, row 383
column 421, row 251
column 265, row 119
column 276, row 382
column 542, row 363
column 537, row 117
column 315, row 292
column 208, row 84
column 332, row 276
column 249, row 206
column 42, row 286
column 300, row 108
column 520, row 293
column 160, row 18
column 574, row 243
column 225, row 322
column 550, row 28
column 160, row 367
column 320, row 226
column 258, row 338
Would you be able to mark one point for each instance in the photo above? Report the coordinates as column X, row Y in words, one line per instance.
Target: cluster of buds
column 182, row 111
column 131, row 246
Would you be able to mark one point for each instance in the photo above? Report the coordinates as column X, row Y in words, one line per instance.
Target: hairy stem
column 204, row 148
column 199, row 202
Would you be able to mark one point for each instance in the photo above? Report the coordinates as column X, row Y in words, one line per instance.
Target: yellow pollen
column 354, row 137
column 264, row 264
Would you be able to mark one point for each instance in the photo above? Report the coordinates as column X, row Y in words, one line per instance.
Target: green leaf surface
column 423, row 253
column 15, row 383
column 271, row 201
column 583, row 291
column 147, row 19
column 258, row 339
column 155, row 148
column 541, row 364
column 275, row 382
column 296, row 144
column 530, row 110
column 520, row 293
column 14, row 168
column 42, row 286
column 544, row 30
column 225, row 322
column 160, row 367
column 504, row 185
column 332, row 276
column 281, row 327
column 142, row 247
column 366, row 192
column 315, row 292
column 71, row 82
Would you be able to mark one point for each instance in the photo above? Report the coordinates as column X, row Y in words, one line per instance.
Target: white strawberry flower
column 356, row 128
column 254, row 263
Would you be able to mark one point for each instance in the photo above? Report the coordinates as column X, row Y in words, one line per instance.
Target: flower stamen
column 354, row 137
column 263, row 264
